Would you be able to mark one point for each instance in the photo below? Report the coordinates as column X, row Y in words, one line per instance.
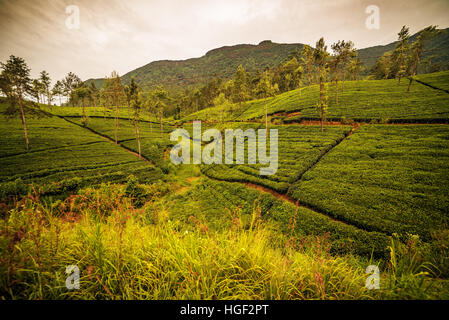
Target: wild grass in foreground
column 125, row 252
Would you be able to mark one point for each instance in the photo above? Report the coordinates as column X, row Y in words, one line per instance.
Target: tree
column 160, row 99
column 36, row 89
column 127, row 91
column 335, row 63
column 307, row 62
column 94, row 94
column 82, row 93
column 103, row 96
column 241, row 90
column 136, row 103
column 114, row 89
column 383, row 68
column 15, row 83
column 70, row 83
column 355, row 67
column 348, row 52
column 321, row 57
column 417, row 49
column 400, row 53
column 46, row 82
column 58, row 90
column 265, row 89
column 222, row 103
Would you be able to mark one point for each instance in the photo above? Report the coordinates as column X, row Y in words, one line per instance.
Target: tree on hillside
column 103, row 96
column 36, row 89
column 307, row 62
column 417, row 49
column 159, row 99
column 266, row 89
column 81, row 94
column 94, row 94
column 46, row 82
column 347, row 54
column 58, row 90
column 335, row 63
column 287, row 75
column 70, row 83
column 222, row 103
column 241, row 90
column 15, row 83
column 136, row 103
column 400, row 53
column 321, row 57
column 114, row 89
column 355, row 67
column 383, row 68
column 127, row 91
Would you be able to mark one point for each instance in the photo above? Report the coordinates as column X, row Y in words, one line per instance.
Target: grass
column 97, row 112
column 121, row 255
column 216, row 202
column 299, row 148
column 362, row 100
column 384, row 178
column 376, row 196
column 63, row 156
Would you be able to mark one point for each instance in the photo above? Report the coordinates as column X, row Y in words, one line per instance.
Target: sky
column 123, row 35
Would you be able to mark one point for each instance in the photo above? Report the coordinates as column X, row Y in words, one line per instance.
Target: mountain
column 222, row 62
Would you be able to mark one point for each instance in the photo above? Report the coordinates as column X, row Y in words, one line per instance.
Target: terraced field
column 385, row 178
column 218, row 202
column 299, row 148
column 65, row 154
column 363, row 100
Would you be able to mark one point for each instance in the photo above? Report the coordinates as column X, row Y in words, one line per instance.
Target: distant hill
column 222, row 62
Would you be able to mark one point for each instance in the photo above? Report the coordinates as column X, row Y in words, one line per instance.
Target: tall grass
column 123, row 253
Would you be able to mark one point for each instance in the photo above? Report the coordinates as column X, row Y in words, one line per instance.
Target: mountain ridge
column 223, row 61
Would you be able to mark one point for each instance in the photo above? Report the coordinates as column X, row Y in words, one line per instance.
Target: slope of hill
column 222, row 62
column 362, row 100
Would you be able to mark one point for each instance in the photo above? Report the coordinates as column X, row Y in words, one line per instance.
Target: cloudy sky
column 125, row 34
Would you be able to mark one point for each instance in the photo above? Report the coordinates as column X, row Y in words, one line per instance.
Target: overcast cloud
column 123, row 35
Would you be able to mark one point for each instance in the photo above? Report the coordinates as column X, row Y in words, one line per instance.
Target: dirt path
column 287, row 198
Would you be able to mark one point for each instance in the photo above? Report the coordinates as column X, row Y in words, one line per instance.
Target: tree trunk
column 162, row 129
column 336, row 91
column 409, row 84
column 137, row 133
column 344, row 78
column 266, row 119
column 321, row 100
column 22, row 112
column 84, row 109
column 116, row 122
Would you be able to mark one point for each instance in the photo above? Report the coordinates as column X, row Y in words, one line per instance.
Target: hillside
column 362, row 100
column 222, row 62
